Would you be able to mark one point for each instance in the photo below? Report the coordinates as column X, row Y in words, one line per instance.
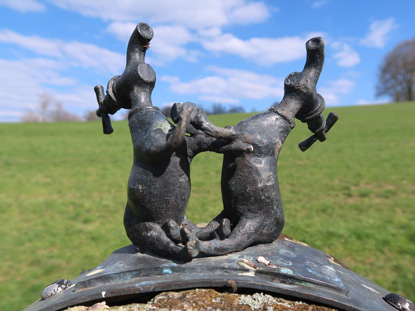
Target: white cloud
column 23, row 80
column 87, row 55
column 39, row 45
column 10, row 115
column 191, row 21
column 210, row 32
column 167, row 45
column 24, row 5
column 229, row 86
column 72, row 53
column 208, row 87
column 122, row 30
column 318, row 4
column 343, row 86
column 254, row 12
column 364, row 102
column 334, row 89
column 346, row 56
column 379, row 33
column 31, row 72
column 264, row 51
column 80, row 99
column 195, row 14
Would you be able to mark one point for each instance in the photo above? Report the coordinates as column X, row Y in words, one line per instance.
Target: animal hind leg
column 172, row 230
column 217, row 228
column 243, row 235
column 148, row 236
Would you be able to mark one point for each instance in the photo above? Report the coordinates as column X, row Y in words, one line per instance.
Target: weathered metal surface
column 249, row 181
column 399, row 302
column 281, row 268
column 55, row 288
column 159, row 190
column 159, row 183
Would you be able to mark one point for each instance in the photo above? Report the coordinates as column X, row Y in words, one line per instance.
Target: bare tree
column 49, row 110
column 397, row 73
column 59, row 114
column 45, row 101
column 30, row 117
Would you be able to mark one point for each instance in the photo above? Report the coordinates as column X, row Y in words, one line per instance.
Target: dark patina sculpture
column 250, row 189
column 159, row 190
column 159, row 184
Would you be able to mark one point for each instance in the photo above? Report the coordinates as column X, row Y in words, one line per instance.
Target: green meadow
column 63, row 193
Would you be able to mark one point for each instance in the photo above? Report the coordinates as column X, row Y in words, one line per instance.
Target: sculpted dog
column 159, row 183
column 250, row 190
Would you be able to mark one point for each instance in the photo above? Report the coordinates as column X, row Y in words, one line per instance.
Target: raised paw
column 237, row 146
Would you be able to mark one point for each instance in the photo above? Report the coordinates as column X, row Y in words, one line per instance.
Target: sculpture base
column 284, row 267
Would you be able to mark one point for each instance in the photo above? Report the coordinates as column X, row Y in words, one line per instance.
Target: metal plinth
column 284, row 267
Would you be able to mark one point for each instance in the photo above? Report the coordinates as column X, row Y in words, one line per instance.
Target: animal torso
column 159, row 183
column 250, row 186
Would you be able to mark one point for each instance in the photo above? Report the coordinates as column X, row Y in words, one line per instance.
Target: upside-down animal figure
column 159, row 183
column 250, row 190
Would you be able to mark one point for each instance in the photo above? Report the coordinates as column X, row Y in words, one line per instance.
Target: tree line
column 49, row 110
column 52, row 110
column 216, row 109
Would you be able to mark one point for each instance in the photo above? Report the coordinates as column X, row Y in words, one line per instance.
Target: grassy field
column 63, row 192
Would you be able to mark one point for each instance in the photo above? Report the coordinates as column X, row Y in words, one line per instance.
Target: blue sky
column 233, row 52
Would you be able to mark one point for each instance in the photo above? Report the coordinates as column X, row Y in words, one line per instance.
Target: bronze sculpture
column 250, row 190
column 159, row 189
column 253, row 211
column 159, row 184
